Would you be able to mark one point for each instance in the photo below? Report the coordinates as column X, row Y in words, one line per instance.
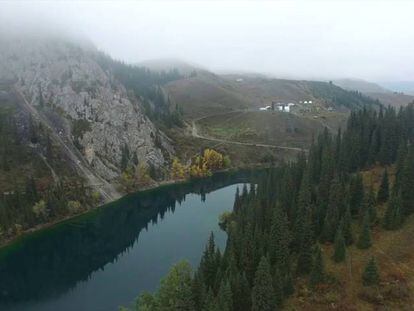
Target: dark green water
column 102, row 260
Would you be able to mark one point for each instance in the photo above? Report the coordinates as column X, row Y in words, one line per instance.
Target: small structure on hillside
column 284, row 107
column 265, row 108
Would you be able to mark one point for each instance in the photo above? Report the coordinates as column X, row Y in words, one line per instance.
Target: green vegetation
column 275, row 230
column 79, row 127
column 337, row 96
column 174, row 292
column 32, row 194
column 370, row 275
column 277, row 128
column 147, row 86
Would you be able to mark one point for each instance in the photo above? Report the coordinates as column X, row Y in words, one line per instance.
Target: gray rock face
column 90, row 107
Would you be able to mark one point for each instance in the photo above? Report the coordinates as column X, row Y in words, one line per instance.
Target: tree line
column 147, row 85
column 276, row 228
column 29, row 195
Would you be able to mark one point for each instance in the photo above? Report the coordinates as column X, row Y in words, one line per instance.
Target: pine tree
column 364, row 240
column 225, row 297
column 336, row 202
column 288, row 286
column 241, row 292
column 347, row 227
column 199, row 291
column 383, row 191
column 209, row 265
column 304, row 263
column 211, row 303
column 279, row 238
column 370, row 276
column 392, row 217
column 339, row 248
column 278, row 287
column 369, row 205
column 407, row 183
column 356, row 191
column 317, row 274
column 399, row 166
column 263, row 298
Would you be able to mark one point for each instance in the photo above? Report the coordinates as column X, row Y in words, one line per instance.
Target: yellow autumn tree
column 142, row 176
column 213, row 159
column 178, row 170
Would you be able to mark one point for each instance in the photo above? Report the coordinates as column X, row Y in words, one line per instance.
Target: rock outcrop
column 84, row 104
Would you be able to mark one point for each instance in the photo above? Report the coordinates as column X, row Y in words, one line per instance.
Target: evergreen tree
column 211, row 303
column 199, row 291
column 278, row 287
column 241, row 292
column 225, row 298
column 370, row 276
column 393, row 217
column 279, row 238
column 369, row 206
column 407, row 183
column 339, row 248
column 383, row 191
column 263, row 298
column 209, row 263
column 304, row 263
column 317, row 274
column 356, row 191
column 336, row 205
column 347, row 227
column 288, row 286
column 399, row 165
column 364, row 240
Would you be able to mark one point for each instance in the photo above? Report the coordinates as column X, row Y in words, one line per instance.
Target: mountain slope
column 207, row 93
column 376, row 91
column 84, row 104
column 360, row 85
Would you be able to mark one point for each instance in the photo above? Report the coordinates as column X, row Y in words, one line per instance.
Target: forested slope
column 281, row 232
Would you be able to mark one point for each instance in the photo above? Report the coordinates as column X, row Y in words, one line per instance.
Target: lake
column 105, row 258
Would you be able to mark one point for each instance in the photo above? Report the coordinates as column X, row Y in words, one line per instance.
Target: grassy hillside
column 375, row 91
column 278, row 128
column 393, row 99
column 207, row 94
column 360, row 85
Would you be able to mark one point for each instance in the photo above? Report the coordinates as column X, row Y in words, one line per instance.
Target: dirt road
column 195, row 133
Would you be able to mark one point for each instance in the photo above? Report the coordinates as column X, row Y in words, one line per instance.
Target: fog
column 301, row 39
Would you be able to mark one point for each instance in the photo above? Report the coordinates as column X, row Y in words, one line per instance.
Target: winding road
column 195, row 133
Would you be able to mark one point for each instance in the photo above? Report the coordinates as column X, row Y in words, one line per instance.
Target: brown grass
column 394, row 252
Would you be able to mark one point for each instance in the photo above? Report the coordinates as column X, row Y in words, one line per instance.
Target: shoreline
column 31, row 231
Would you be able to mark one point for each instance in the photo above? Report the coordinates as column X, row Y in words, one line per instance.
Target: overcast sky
column 305, row 39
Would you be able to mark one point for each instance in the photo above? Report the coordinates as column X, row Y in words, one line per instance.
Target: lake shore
column 164, row 183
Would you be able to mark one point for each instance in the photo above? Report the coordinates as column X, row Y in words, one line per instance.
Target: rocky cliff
column 86, row 106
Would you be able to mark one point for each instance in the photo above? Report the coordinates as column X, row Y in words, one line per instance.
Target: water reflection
column 50, row 263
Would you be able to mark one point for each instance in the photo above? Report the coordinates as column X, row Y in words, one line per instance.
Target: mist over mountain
column 281, row 38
